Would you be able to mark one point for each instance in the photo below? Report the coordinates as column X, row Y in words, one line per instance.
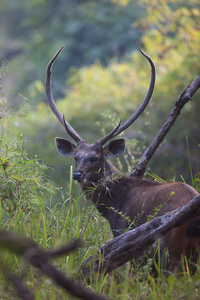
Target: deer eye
column 95, row 159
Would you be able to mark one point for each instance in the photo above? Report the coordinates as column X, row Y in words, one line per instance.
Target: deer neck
column 110, row 170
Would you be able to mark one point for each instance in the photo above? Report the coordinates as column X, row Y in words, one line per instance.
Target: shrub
column 20, row 177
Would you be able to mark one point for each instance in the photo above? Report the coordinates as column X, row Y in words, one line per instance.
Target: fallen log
column 133, row 243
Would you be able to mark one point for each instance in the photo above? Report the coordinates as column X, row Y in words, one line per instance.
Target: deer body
column 127, row 198
column 126, row 201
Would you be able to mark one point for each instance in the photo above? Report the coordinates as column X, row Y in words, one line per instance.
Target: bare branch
column 39, row 259
column 133, row 243
column 68, row 284
column 181, row 101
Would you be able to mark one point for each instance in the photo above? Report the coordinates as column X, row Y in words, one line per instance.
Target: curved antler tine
column 146, row 100
column 51, row 101
column 110, row 135
column 49, row 95
column 69, row 130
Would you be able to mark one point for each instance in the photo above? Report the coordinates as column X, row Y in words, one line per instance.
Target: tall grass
column 51, row 227
column 72, row 217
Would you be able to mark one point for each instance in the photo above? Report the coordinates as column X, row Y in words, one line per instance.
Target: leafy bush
column 20, row 177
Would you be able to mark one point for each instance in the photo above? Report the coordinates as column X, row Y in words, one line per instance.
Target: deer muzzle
column 78, row 175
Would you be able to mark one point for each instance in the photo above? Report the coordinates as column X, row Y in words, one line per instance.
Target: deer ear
column 65, row 147
column 115, row 148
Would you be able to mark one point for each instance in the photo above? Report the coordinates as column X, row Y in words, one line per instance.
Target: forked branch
column 181, row 101
column 39, row 258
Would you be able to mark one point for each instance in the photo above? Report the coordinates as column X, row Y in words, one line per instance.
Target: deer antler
column 184, row 97
column 142, row 106
column 110, row 135
column 119, row 128
column 51, row 101
column 146, row 100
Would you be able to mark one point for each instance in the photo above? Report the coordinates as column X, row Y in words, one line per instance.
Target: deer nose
column 78, row 175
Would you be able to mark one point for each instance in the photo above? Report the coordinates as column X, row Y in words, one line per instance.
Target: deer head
column 91, row 160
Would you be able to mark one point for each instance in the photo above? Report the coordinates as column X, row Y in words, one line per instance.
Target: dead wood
column 180, row 102
column 39, row 258
column 133, row 243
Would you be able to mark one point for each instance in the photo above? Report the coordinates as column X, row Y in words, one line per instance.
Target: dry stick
column 39, row 258
column 180, row 102
column 133, row 243
column 68, row 284
column 65, row 250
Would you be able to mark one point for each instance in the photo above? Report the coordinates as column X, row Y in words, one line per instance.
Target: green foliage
column 90, row 31
column 98, row 97
column 101, row 94
column 53, row 227
column 21, row 178
column 97, row 94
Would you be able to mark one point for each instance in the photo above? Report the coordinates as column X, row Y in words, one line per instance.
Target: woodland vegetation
column 103, row 84
column 99, row 78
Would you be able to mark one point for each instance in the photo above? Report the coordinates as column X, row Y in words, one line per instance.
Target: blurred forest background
column 101, row 77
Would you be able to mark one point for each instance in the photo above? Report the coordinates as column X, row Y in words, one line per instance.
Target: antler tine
column 51, row 101
column 110, row 135
column 146, row 100
column 68, row 128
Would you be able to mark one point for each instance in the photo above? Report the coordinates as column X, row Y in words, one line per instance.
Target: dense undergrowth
column 52, row 227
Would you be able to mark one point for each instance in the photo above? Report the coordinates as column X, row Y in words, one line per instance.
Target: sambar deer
column 119, row 198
